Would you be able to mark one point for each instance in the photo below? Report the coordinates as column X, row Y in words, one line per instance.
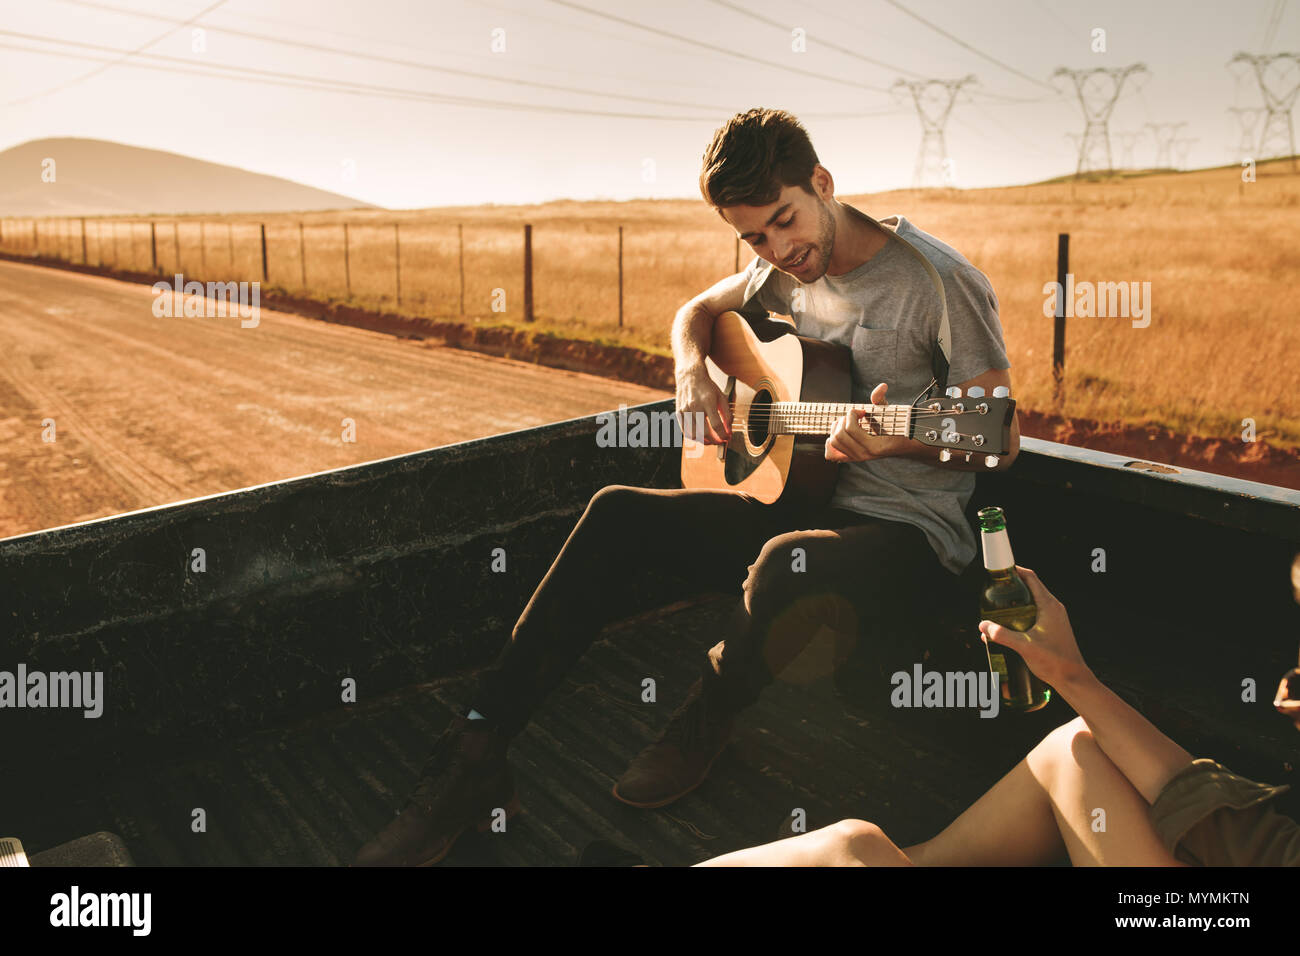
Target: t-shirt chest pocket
column 875, row 354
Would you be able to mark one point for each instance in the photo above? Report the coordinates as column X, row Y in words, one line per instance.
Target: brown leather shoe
column 680, row 759
column 464, row 781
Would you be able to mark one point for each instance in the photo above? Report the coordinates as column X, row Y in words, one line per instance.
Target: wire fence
column 587, row 274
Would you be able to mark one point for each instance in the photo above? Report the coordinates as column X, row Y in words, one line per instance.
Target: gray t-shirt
column 888, row 311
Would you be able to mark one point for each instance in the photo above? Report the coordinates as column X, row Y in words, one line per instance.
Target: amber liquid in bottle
column 1007, row 600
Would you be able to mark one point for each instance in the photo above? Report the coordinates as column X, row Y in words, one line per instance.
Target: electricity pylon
column 1127, row 140
column 1279, row 85
column 1183, row 147
column 1098, row 89
column 1247, row 119
column 1163, row 134
column 934, row 101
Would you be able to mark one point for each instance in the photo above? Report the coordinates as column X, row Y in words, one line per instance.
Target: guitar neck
column 819, row 418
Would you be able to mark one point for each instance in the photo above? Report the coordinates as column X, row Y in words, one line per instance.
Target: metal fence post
column 1058, row 329
column 262, row 228
column 620, row 277
column 397, row 245
column 347, row 265
column 528, row 272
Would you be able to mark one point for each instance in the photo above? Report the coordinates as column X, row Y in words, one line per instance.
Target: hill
column 95, row 177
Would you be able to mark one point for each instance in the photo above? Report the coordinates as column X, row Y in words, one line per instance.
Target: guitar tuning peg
column 953, row 392
column 1001, row 392
column 991, row 461
column 975, row 391
column 945, row 454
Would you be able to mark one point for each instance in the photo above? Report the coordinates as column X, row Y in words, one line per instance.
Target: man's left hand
column 850, row 441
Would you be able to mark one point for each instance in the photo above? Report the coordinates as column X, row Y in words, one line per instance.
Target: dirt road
column 147, row 410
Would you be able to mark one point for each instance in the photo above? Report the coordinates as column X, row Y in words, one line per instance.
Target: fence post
column 153, row 244
column 528, row 272
column 620, row 277
column 460, row 233
column 114, row 243
column 347, row 263
column 397, row 244
column 36, row 241
column 84, row 261
column 1058, row 329
column 262, row 227
column 302, row 255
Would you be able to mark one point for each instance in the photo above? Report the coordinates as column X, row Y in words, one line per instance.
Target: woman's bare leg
column 1048, row 803
column 847, row 843
column 1044, row 806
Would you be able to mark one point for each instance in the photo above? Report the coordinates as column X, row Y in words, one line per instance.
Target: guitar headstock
column 966, row 425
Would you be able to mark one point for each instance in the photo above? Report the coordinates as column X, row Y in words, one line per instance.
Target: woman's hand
column 1049, row 647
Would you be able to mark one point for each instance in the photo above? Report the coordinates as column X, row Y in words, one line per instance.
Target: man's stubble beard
column 825, row 242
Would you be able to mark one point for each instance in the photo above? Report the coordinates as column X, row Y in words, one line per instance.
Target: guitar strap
column 940, row 353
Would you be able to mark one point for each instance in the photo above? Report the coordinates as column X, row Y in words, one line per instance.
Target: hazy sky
column 482, row 127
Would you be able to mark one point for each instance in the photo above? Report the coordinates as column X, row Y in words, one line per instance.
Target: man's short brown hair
column 754, row 156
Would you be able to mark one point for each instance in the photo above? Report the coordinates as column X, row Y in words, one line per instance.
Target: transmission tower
column 1163, row 134
column 1279, row 85
column 1127, row 140
column 1183, row 147
column 934, row 101
column 1247, row 120
column 1098, row 89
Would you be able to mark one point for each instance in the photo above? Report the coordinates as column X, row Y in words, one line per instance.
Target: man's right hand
column 701, row 405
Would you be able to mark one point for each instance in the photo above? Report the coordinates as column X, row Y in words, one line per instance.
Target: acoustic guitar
column 787, row 392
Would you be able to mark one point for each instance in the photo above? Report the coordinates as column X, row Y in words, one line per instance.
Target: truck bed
column 223, row 688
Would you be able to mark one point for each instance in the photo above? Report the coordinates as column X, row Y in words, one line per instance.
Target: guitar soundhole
column 760, row 418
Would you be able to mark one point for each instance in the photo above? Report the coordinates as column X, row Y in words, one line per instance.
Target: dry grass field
column 1222, row 258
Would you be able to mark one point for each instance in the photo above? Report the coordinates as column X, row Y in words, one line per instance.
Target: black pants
column 801, row 568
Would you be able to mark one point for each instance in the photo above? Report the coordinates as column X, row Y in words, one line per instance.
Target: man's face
column 796, row 233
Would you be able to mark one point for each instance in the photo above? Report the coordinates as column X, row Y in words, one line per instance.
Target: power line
column 752, row 61
column 961, row 43
column 394, row 61
column 125, row 56
column 321, row 84
column 1274, row 21
column 826, row 43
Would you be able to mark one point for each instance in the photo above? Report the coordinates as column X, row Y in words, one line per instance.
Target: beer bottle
column 1007, row 600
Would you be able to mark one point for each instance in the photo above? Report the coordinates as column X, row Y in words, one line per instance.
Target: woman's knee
column 858, row 842
column 1064, row 745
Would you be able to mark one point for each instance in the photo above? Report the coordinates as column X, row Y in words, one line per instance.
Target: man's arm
column 691, row 338
column 850, row 442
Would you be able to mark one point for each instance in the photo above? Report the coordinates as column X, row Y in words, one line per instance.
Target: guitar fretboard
column 819, row 418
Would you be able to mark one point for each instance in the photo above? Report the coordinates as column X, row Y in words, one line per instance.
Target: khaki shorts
column 1209, row 816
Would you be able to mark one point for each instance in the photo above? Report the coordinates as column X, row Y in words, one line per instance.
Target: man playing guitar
column 892, row 540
